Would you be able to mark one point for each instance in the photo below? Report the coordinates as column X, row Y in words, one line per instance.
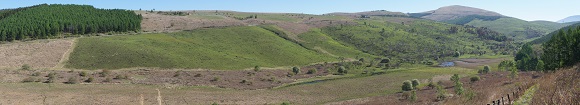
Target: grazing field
column 314, row 93
column 414, row 41
column 217, row 48
column 323, row 43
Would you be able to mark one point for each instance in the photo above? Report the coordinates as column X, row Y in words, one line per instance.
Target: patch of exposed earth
column 37, row 53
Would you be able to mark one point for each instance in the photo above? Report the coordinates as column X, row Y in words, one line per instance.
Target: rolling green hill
column 215, row 48
column 546, row 38
column 518, row 29
column 415, row 41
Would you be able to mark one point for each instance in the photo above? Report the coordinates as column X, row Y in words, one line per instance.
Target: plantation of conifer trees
column 563, row 49
column 45, row 21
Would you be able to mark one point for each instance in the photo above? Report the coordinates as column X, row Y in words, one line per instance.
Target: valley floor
column 121, row 92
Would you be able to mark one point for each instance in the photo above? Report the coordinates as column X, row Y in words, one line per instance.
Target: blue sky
column 551, row 10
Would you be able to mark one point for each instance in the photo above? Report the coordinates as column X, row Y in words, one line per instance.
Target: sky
column 530, row 10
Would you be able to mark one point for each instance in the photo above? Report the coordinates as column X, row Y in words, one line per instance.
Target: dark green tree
column 295, row 70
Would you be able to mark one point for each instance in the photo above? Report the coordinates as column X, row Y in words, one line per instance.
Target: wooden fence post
column 502, row 101
column 509, row 100
column 493, row 102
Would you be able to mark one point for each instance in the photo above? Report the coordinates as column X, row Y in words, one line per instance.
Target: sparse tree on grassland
column 295, row 70
column 407, row 85
column 415, row 83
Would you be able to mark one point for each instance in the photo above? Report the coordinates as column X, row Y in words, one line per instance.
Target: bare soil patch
column 37, row 53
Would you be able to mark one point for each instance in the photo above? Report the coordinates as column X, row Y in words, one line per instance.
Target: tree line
column 563, row 49
column 44, row 21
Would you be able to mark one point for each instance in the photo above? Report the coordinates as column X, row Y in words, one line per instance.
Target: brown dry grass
column 492, row 86
column 153, row 22
column 38, row 53
column 237, row 79
column 559, row 88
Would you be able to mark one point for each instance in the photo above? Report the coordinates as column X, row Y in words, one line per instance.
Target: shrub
column 342, row 70
column 90, row 79
column 415, row 83
column 108, row 79
column 29, row 79
column 72, row 80
column 456, row 54
column 440, row 93
column 312, row 71
column 51, row 77
column 514, row 73
column 257, row 68
column 121, row 76
column 540, row 65
column 386, row 60
column 296, row 70
column 474, row 78
column 197, row 75
column 486, row 69
column 407, row 86
column 25, row 67
column 429, row 63
column 177, row 73
column 105, row 73
column 214, row 103
column 470, row 94
column 455, row 78
column 272, row 79
column 439, row 82
column 413, row 96
column 35, row 74
column 289, row 74
column 215, row 79
column 406, row 95
column 431, row 84
column 285, row 103
column 83, row 73
column 362, row 60
column 459, row 88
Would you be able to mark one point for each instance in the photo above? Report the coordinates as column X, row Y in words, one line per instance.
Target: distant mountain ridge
column 371, row 13
column 514, row 28
column 455, row 12
column 570, row 19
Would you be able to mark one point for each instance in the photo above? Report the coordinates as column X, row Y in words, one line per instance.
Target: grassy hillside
column 323, row 43
column 216, row 48
column 518, row 29
column 414, row 41
column 549, row 36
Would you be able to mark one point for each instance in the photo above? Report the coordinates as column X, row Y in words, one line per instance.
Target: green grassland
column 217, row 48
column 323, row 43
column 411, row 42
